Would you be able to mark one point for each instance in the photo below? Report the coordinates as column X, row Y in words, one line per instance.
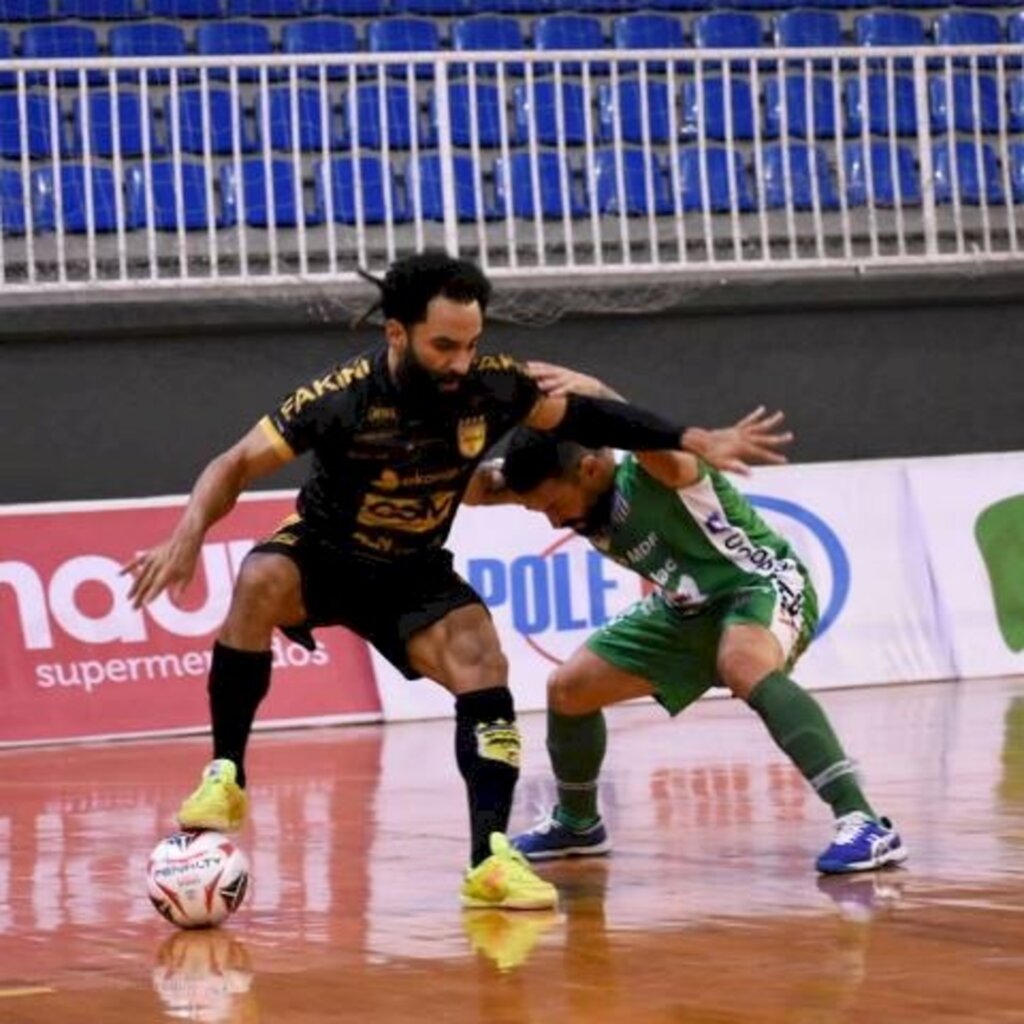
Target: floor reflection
column 205, row 976
column 357, row 842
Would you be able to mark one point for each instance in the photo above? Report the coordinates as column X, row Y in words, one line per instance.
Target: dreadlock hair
column 533, row 456
column 410, row 283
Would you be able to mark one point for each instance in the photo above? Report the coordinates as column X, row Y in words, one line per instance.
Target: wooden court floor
column 707, row 912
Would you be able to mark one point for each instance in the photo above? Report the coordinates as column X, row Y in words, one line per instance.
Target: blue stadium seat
column 554, row 201
column 569, row 32
column 981, row 3
column 165, row 191
column 809, row 28
column 647, row 32
column 519, row 7
column 348, row 8
column 488, row 115
column 400, row 107
column 599, row 6
column 320, row 35
column 968, row 28
column 73, row 201
column 37, row 123
column 264, row 8
column 8, row 79
column 190, row 122
column 771, row 6
column 715, row 168
column 823, row 104
column 101, row 125
column 681, row 5
column 638, row 196
column 25, row 10
column 963, row 103
column 186, row 8
column 708, row 106
column 1016, row 155
column 12, row 203
column 1015, row 105
column 543, row 112
column 877, row 183
column 904, row 103
column 405, row 35
column 1015, row 27
column 807, row 166
column 259, row 204
column 726, row 30
column 100, row 10
column 488, row 33
column 841, row 5
column 918, row 5
column 371, row 173
column 234, row 38
column 463, row 177
column 154, row 39
column 433, row 8
column 310, row 117
column 47, row 41
column 628, row 111
column 971, row 188
column 889, row 28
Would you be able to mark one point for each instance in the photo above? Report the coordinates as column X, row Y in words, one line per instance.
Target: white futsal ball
column 197, row 879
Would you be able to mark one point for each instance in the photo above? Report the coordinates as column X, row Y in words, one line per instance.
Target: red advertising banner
column 77, row 661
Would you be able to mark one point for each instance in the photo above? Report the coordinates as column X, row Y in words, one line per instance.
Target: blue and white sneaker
column 862, row 844
column 549, row 839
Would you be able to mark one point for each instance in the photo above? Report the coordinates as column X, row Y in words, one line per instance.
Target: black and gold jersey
column 387, row 476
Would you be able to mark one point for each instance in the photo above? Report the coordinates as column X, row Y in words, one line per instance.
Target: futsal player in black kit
column 395, row 436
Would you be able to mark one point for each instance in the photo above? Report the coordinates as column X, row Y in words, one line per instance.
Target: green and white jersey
column 698, row 544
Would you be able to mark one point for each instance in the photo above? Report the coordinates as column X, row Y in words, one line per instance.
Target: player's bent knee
column 564, row 696
column 742, row 670
column 267, row 589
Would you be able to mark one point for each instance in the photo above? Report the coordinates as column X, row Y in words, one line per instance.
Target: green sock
column 576, row 745
column 798, row 725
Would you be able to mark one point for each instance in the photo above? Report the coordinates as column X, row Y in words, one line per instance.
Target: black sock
column 239, row 680
column 487, row 751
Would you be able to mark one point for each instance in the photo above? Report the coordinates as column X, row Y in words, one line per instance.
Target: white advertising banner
column 971, row 514
column 851, row 523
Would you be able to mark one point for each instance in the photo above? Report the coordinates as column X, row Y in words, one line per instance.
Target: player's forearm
column 213, row 496
column 605, row 422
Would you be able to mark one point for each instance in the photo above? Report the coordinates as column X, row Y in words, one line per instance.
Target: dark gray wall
column 92, row 418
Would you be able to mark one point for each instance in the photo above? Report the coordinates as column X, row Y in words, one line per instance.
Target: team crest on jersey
column 472, row 436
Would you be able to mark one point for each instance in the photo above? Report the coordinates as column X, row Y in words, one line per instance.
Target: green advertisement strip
column 999, row 532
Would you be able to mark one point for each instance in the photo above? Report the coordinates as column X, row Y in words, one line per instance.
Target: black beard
column 597, row 518
column 420, row 387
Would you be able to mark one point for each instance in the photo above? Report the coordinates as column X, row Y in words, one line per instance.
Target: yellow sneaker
column 218, row 802
column 506, row 938
column 506, row 881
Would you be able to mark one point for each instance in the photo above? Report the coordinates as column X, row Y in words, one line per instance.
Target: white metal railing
column 159, row 172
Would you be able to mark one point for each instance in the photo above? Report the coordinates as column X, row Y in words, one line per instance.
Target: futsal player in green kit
column 734, row 606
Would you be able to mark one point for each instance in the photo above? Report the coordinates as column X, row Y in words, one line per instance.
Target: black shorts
column 384, row 602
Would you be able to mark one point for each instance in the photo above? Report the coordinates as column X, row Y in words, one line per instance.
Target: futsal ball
column 197, row 879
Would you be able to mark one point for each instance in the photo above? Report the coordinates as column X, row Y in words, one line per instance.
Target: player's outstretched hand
column 557, row 381
column 168, row 566
column 753, row 440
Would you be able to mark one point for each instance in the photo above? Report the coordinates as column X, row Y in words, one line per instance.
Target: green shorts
column 677, row 651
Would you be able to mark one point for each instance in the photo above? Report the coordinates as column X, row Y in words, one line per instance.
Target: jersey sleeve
column 322, row 410
column 511, row 387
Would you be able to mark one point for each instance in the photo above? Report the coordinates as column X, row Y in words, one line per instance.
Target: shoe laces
column 850, row 827
column 518, row 866
column 545, row 822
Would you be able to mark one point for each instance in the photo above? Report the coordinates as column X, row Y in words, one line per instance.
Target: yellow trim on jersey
column 274, row 436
